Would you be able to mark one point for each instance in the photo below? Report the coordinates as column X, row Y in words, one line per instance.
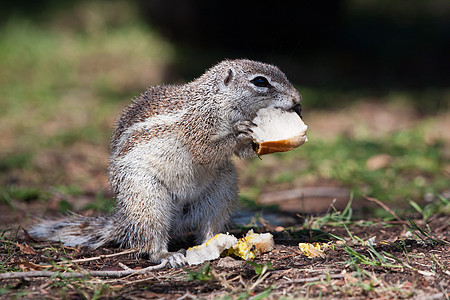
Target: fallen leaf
column 26, row 249
column 29, row 266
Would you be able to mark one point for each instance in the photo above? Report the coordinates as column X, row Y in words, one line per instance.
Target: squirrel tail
column 76, row 230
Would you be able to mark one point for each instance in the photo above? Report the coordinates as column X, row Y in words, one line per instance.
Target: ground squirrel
column 170, row 165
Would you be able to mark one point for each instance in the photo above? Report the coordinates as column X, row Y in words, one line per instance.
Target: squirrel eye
column 260, row 81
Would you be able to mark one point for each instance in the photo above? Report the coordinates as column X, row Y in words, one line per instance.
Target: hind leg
column 208, row 214
column 144, row 215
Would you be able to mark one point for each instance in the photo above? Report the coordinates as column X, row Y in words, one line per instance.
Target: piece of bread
column 252, row 245
column 278, row 130
column 248, row 247
column 211, row 249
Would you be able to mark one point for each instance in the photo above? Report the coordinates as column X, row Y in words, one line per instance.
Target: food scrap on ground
column 313, row 250
column 246, row 248
column 211, row 249
column 252, row 245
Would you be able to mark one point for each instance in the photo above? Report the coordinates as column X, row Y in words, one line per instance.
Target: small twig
column 121, row 273
column 136, row 281
column 123, row 266
column 186, row 296
column 312, row 279
column 315, row 270
column 287, row 256
column 129, row 251
column 385, row 207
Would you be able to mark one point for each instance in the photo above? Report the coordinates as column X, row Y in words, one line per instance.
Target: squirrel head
column 246, row 86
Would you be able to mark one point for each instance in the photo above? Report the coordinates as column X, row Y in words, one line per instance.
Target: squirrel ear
column 229, row 77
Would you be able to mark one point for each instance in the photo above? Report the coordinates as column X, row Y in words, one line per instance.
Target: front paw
column 243, row 130
column 175, row 259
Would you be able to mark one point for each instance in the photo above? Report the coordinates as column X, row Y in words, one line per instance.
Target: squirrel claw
column 244, row 130
column 177, row 260
column 244, row 126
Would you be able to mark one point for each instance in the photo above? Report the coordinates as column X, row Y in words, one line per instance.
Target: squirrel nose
column 297, row 97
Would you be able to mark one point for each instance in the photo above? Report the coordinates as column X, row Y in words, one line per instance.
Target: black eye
column 260, row 81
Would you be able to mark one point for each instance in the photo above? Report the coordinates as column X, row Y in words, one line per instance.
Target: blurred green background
column 374, row 76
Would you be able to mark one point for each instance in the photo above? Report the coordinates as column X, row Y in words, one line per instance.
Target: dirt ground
column 413, row 264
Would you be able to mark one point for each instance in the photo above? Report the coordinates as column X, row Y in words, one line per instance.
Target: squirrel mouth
column 297, row 108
